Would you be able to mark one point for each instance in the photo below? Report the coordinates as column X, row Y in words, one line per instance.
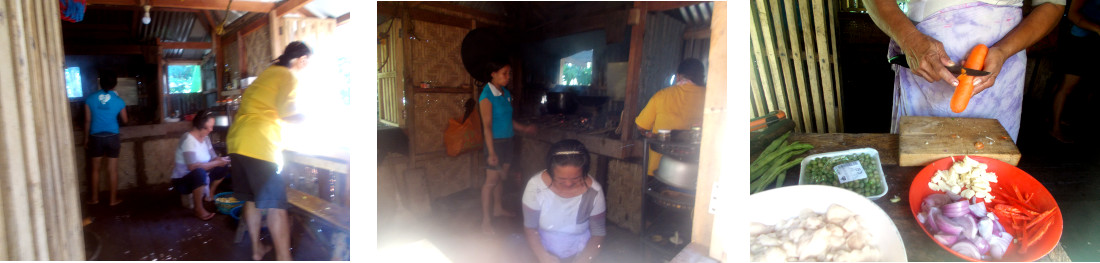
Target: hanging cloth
column 73, row 10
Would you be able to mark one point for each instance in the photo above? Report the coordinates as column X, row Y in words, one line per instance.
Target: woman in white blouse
column 564, row 208
column 197, row 165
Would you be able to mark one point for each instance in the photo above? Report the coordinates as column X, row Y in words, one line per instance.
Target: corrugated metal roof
column 694, row 15
column 328, row 8
column 175, row 27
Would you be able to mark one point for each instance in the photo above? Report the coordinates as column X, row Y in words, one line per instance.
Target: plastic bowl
column 1007, row 176
column 802, row 180
column 236, row 212
column 771, row 206
column 223, row 207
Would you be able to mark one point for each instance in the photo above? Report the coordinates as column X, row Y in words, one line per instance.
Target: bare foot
column 504, row 213
column 116, row 202
column 204, row 215
column 92, row 202
column 487, row 228
column 1057, row 134
column 258, row 257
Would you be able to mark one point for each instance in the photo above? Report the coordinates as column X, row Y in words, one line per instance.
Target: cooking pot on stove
column 561, row 102
column 677, row 173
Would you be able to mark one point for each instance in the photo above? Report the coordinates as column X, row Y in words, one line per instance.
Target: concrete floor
column 151, row 224
column 455, row 229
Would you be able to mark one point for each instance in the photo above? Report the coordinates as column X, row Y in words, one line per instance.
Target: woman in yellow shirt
column 674, row 108
column 254, row 143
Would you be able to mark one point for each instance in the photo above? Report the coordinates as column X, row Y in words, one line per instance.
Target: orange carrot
column 965, row 89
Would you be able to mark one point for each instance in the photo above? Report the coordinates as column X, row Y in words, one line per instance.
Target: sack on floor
column 463, row 136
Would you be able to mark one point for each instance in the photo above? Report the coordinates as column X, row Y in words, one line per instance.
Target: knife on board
column 957, row 69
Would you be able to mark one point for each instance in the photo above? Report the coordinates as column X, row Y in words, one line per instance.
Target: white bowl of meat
column 820, row 223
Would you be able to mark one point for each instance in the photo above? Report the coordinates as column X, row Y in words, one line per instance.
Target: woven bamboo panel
column 258, row 44
column 309, row 30
column 446, row 175
column 624, row 194
column 437, row 55
column 231, row 54
column 433, row 110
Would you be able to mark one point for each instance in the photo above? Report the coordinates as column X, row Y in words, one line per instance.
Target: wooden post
column 634, row 72
column 714, row 134
column 410, row 90
column 242, row 55
column 40, row 219
column 275, row 26
column 162, row 84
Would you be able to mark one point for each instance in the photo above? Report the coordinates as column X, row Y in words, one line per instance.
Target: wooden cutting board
column 923, row 140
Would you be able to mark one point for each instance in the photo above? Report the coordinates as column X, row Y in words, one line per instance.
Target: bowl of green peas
column 858, row 170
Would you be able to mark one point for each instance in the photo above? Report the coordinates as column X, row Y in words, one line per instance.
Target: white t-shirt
column 203, row 150
column 558, row 214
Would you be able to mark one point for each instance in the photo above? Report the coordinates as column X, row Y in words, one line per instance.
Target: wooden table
column 918, row 246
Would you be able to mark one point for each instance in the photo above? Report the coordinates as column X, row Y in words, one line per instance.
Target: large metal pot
column 677, row 173
column 561, row 102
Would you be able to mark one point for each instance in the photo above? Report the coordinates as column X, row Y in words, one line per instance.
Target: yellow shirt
column 672, row 108
column 257, row 129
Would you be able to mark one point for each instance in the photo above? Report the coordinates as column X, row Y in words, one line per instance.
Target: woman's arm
column 192, row 162
column 487, row 126
column 925, row 55
column 122, row 115
column 529, row 129
column 598, row 228
column 1034, row 27
column 1078, row 19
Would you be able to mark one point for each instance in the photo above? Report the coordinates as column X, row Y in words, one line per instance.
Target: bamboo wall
column 258, row 45
column 794, row 66
column 39, row 207
column 391, row 92
column 437, row 54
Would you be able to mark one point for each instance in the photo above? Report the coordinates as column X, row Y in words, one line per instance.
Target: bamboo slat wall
column 39, row 205
column 391, row 92
column 793, row 66
column 437, row 54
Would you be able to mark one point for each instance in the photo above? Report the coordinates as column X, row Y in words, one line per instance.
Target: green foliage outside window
column 184, row 79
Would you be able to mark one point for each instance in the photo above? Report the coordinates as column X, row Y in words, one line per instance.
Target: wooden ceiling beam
column 185, row 45
column 237, row 5
column 343, row 19
column 289, row 5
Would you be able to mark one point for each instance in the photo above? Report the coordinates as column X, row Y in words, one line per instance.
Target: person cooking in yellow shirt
column 255, row 147
column 674, row 108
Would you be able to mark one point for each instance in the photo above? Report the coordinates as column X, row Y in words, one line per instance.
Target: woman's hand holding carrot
column 994, row 59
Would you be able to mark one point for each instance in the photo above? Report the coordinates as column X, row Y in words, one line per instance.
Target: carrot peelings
column 966, row 82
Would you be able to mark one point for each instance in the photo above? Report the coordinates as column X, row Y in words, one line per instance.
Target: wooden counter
column 596, row 143
column 918, row 245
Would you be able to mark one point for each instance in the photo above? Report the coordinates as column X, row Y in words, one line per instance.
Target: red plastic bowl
column 1007, row 175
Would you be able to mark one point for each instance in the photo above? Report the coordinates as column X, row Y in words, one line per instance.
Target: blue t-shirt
column 502, row 112
column 104, row 107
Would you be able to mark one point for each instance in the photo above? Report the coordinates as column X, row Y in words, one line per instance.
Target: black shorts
column 505, row 152
column 198, row 178
column 1079, row 54
column 103, row 144
column 257, row 181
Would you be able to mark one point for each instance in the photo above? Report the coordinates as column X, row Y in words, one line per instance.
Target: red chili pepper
column 1017, row 190
column 1040, row 218
column 1015, row 201
column 1038, row 235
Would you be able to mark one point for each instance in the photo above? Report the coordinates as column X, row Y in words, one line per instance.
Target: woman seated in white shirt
column 197, row 165
column 564, row 208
